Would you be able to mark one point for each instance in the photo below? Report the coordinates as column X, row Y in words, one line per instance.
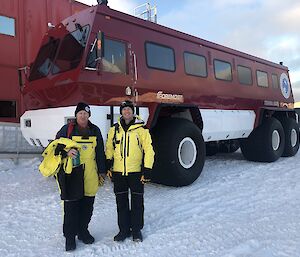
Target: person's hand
column 101, row 180
column 144, row 180
column 147, row 174
column 109, row 174
column 72, row 153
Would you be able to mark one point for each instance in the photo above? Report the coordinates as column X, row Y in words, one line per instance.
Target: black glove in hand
column 60, row 150
column 146, row 177
column 147, row 173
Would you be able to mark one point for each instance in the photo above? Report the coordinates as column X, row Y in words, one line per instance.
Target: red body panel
column 102, row 88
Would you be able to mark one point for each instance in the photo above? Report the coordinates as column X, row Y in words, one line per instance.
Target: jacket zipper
column 125, row 154
column 128, row 145
column 125, row 173
column 121, row 147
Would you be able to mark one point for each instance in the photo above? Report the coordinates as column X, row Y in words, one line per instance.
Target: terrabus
column 195, row 96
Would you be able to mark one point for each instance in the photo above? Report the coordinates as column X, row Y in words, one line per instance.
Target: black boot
column 70, row 244
column 121, row 236
column 86, row 237
column 137, row 236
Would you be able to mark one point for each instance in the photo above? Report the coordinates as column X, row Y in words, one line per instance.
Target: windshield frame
column 35, row 73
column 83, row 44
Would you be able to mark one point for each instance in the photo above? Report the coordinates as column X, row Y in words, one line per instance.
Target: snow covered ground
column 235, row 209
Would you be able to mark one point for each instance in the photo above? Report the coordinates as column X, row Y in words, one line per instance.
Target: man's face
column 82, row 118
column 127, row 113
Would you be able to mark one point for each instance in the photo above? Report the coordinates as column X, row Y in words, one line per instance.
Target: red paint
column 102, row 88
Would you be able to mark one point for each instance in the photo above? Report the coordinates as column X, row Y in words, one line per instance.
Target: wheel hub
column 187, row 152
column 275, row 140
column 294, row 138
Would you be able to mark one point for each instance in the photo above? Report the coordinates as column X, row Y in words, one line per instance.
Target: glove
column 59, row 150
column 144, row 181
column 146, row 177
column 101, row 180
column 147, row 173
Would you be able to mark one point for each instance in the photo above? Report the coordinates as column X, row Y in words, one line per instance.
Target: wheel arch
column 266, row 113
column 185, row 111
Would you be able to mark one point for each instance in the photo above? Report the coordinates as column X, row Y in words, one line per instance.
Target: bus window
column 275, row 82
column 71, row 50
column 44, row 60
column 244, row 75
column 222, row 70
column 92, row 55
column 114, row 59
column 160, row 57
column 195, row 64
column 262, row 78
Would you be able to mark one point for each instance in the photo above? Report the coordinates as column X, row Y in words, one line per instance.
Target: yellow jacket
column 88, row 158
column 51, row 162
column 128, row 149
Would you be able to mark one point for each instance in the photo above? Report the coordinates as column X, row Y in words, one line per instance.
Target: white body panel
column 218, row 124
column 226, row 124
column 45, row 123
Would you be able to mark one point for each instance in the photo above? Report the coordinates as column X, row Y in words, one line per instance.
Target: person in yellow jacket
column 130, row 158
column 78, row 212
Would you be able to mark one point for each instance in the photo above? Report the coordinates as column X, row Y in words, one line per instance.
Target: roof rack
column 146, row 12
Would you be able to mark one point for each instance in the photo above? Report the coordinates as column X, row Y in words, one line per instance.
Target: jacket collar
column 138, row 122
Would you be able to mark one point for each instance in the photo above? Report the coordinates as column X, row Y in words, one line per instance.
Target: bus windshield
column 60, row 55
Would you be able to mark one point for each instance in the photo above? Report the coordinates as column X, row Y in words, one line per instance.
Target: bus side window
column 244, row 75
column 91, row 57
column 114, row 59
column 223, row 70
column 262, row 78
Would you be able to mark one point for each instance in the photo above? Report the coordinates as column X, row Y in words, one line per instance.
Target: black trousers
column 129, row 217
column 77, row 216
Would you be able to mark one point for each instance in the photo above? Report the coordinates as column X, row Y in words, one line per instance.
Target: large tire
column 291, row 132
column 179, row 152
column 265, row 143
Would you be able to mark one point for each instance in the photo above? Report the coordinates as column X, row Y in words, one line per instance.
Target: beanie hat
column 126, row 103
column 82, row 107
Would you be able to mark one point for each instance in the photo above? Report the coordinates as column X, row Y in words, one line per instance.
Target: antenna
column 146, row 12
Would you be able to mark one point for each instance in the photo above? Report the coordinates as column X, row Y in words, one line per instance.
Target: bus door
column 114, row 61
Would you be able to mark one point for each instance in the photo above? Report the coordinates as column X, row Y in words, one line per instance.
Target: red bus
column 196, row 96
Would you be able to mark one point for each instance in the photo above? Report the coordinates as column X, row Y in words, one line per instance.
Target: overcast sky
column 265, row 28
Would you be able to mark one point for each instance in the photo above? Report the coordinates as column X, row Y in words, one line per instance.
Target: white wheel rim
column 275, row 140
column 294, row 138
column 187, row 152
